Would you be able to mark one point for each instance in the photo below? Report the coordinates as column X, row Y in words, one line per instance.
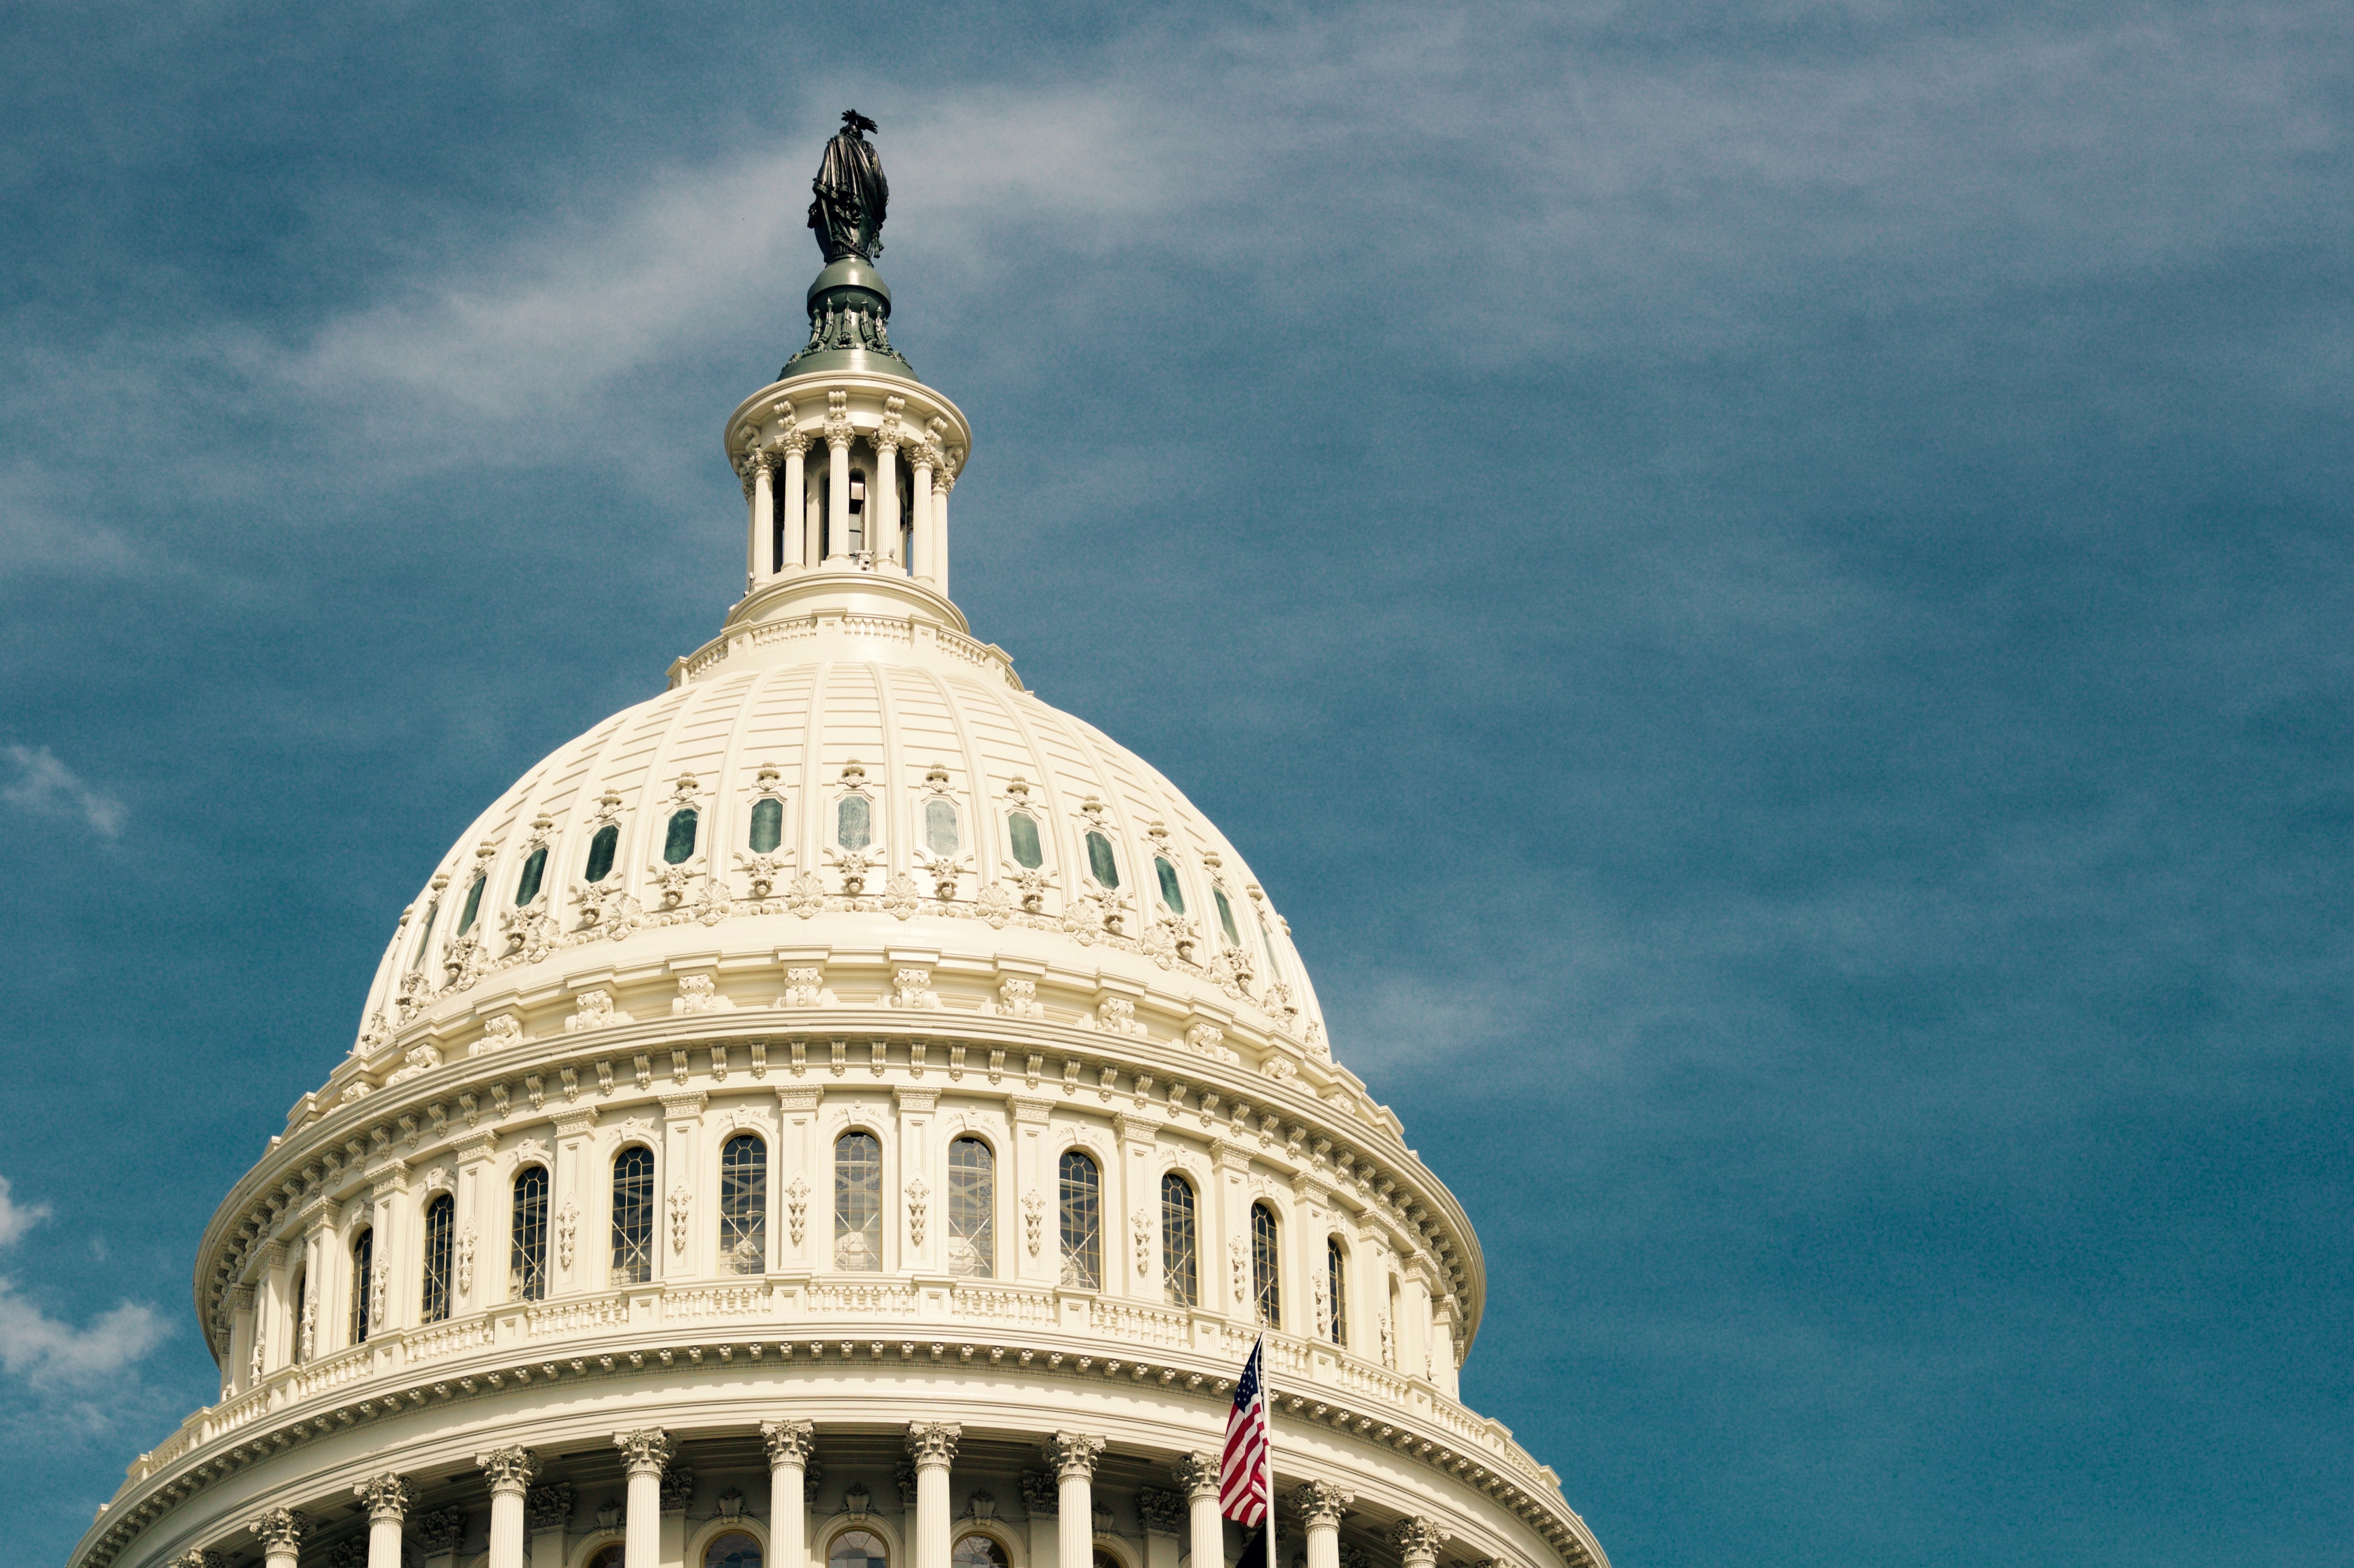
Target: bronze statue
column 851, row 194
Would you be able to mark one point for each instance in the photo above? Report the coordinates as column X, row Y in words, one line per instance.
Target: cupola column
column 884, row 509
column 1320, row 1506
column 942, row 483
column 388, row 1499
column 1198, row 1474
column 789, row 1453
column 794, row 524
column 1073, row 1456
column 762, row 531
column 920, row 501
column 932, row 1446
column 838, row 437
column 510, row 1471
column 644, row 1452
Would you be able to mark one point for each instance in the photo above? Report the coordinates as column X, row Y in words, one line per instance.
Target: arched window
column 1336, row 1284
column 363, row 1274
column 440, row 1232
column 533, row 869
column 425, row 936
column 767, row 824
column 612, row 1557
column 1082, row 1222
column 1104, row 1559
column 1100, row 864
column 972, row 1209
column 858, row 1203
column 940, row 826
column 678, row 840
column 473, row 905
column 853, row 821
column 978, row 1551
column 527, row 1254
column 1267, row 1289
column 734, row 1550
column 1226, row 918
column 1022, row 829
column 744, row 1204
column 1180, row 1243
column 634, row 1215
column 857, row 1549
column 601, row 850
column 1171, row 894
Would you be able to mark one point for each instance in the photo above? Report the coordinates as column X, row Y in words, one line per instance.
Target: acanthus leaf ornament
column 1140, row 1224
column 680, row 1202
column 796, row 1208
column 281, row 1530
column 918, row 1203
column 1033, row 1220
column 788, row 1443
column 567, row 1228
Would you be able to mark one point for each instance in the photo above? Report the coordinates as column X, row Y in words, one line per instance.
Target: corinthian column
column 1418, row 1540
column 644, row 1453
column 943, row 481
column 763, row 497
column 838, row 437
column 1198, row 1474
column 1320, row 1505
column 281, row 1530
column 932, row 1445
column 792, row 511
column 883, row 505
column 510, row 1472
column 1073, row 1454
column 789, row 1453
column 388, row 1498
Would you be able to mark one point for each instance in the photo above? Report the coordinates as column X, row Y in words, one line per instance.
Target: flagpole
column 1266, row 1402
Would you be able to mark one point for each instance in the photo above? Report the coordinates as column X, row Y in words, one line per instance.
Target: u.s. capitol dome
column 842, row 1111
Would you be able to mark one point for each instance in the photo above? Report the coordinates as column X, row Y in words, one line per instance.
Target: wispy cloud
column 45, row 1352
column 46, row 786
column 16, row 1218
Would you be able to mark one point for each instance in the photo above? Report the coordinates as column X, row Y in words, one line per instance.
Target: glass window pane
column 767, row 825
column 679, row 842
column 527, row 885
column 425, row 934
column 857, row 1549
column 1023, row 830
column 528, row 1257
column 363, row 1275
column 1180, row 1268
column 977, row 1551
column 1267, row 938
column 440, row 1228
column 601, row 850
column 1171, row 894
column 1099, row 862
column 634, row 1215
column 1336, row 1284
column 743, row 1204
column 1082, row 1222
column 853, row 821
column 940, row 826
column 733, row 1549
column 972, row 1209
column 1226, row 918
column 473, row 905
column 1267, row 1289
column 858, row 1203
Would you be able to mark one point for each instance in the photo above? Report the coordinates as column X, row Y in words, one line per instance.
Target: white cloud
column 43, row 1350
column 48, row 788
column 16, row 1218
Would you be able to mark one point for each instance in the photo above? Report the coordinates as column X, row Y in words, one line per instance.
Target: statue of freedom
column 851, row 194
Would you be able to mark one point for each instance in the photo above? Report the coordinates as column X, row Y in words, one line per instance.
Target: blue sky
column 1767, row 588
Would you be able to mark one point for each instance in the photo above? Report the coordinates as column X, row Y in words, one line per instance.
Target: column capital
column 933, row 1443
column 1198, row 1474
column 1163, row 1511
column 1322, row 1503
column 387, row 1496
column 1417, row 1539
column 1073, row 1455
column 789, row 1442
column 199, row 1557
column 645, row 1451
column 510, row 1469
column 281, row 1529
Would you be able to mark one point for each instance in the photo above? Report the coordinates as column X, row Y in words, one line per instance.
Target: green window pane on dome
column 940, row 826
column 767, row 825
column 1226, row 918
column 1023, row 830
column 679, row 842
column 533, row 869
column 600, row 853
column 1099, row 862
column 1171, row 894
column 425, row 934
column 854, row 822
column 473, row 905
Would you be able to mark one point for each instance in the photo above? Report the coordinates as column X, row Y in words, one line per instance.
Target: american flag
column 1247, row 1474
